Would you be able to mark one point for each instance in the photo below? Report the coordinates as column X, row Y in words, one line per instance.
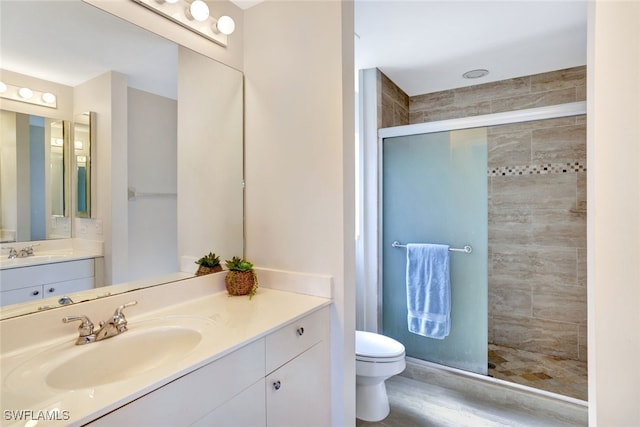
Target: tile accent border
column 541, row 169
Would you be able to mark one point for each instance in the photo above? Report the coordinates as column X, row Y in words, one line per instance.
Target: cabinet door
column 298, row 393
column 245, row 410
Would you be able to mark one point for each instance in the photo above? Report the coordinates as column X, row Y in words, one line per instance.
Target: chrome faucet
column 26, row 251
column 115, row 325
column 12, row 252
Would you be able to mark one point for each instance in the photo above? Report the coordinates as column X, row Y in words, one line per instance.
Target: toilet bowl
column 377, row 358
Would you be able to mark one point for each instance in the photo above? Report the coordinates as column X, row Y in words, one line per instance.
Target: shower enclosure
column 512, row 186
column 435, row 191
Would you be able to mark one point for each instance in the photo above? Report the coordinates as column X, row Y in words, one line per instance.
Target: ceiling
column 422, row 45
column 425, row 46
column 78, row 42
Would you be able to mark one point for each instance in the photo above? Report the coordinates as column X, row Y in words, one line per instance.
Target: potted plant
column 208, row 264
column 240, row 279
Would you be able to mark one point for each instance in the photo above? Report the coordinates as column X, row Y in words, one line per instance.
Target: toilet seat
column 371, row 347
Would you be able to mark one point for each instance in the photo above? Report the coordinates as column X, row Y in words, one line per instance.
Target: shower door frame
column 373, row 235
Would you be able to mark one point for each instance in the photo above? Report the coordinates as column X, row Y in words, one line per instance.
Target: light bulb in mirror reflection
column 3, row 87
column 225, row 25
column 48, row 98
column 77, row 145
column 25, row 93
column 198, row 10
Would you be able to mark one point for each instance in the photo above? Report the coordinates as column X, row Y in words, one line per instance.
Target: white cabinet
column 280, row 380
column 298, row 394
column 298, row 380
column 188, row 399
column 46, row 280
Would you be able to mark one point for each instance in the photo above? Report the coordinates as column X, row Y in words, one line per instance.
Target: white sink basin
column 144, row 347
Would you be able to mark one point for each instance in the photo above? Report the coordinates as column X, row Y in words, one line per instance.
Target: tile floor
column 544, row 372
column 431, row 397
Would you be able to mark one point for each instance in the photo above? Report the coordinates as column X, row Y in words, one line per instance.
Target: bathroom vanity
column 54, row 268
column 192, row 355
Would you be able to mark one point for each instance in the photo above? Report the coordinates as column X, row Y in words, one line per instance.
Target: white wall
column 106, row 96
column 152, row 168
column 613, row 149
column 299, row 157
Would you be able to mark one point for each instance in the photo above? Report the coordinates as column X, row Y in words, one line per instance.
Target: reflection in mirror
column 34, row 178
column 82, row 142
column 129, row 79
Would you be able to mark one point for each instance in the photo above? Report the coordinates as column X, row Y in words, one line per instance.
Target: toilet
column 377, row 358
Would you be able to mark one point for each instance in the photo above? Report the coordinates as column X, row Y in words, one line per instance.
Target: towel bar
column 466, row 249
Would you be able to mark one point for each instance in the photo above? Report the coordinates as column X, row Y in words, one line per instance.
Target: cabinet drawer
column 15, row 278
column 21, row 295
column 294, row 338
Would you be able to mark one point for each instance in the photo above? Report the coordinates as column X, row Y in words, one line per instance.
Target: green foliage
column 238, row 264
column 210, row 260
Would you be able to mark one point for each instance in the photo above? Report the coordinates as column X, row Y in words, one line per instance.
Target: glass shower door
column 434, row 190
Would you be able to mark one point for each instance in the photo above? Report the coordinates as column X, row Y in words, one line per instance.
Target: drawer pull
column 52, row 290
column 300, row 331
column 35, row 293
column 277, row 385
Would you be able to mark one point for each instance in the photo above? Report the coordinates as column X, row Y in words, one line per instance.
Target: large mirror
column 125, row 184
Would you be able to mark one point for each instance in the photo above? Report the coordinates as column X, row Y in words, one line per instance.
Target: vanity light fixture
column 28, row 95
column 195, row 16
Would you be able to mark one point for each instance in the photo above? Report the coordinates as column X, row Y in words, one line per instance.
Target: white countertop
column 51, row 251
column 232, row 322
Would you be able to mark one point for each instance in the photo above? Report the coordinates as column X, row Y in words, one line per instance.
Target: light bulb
column 199, row 10
column 226, row 25
column 3, row 87
column 25, row 93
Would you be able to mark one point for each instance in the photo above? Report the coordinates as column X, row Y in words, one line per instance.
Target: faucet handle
column 85, row 330
column 118, row 319
column 119, row 313
column 12, row 251
column 29, row 248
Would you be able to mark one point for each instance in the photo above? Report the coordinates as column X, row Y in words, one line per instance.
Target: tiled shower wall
column 537, row 205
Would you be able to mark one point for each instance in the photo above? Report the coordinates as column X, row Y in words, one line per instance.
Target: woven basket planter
column 241, row 282
column 202, row 270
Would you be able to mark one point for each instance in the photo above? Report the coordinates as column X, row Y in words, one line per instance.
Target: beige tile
column 431, row 100
column 534, row 265
column 416, row 117
column 533, row 100
column 559, row 227
column 509, row 149
column 561, row 79
column 581, row 191
column 582, row 342
column 582, row 267
column 529, row 126
column 435, row 114
column 509, row 298
column 554, row 338
column 560, row 303
column 559, row 144
column 536, row 191
column 512, row 331
column 510, row 225
column 488, row 91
